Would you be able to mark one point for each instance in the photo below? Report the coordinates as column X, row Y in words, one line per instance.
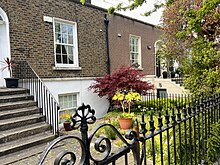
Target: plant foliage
column 8, row 64
column 122, row 79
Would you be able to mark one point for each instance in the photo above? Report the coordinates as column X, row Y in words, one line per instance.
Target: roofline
column 118, row 14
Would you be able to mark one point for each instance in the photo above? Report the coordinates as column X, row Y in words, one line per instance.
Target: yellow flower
column 129, row 97
column 118, row 96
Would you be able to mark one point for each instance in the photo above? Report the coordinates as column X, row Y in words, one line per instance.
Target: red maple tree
column 122, row 79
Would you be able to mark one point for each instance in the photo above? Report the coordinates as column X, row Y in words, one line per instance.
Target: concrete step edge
column 20, row 155
column 25, row 143
column 18, row 112
column 10, row 91
column 21, row 132
column 16, row 105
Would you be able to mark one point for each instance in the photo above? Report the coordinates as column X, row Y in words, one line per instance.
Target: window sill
column 67, row 68
column 139, row 68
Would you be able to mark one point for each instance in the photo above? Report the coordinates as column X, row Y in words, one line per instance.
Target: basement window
column 68, row 103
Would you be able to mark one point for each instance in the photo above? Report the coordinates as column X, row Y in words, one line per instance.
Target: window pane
column 64, row 29
column 64, row 34
column 64, row 49
column 58, row 38
column 134, row 50
column 58, row 58
column 64, row 38
column 57, row 27
column 70, row 30
column 64, row 59
column 70, row 50
column 70, row 59
column 58, row 49
column 68, row 101
column 70, row 39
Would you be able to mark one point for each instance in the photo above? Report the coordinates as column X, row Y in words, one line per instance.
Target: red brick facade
column 120, row 28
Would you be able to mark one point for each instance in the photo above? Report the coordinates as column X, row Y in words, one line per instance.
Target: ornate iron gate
column 179, row 137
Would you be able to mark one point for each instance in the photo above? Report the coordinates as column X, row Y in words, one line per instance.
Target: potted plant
column 164, row 74
column 126, row 99
column 11, row 82
column 66, row 119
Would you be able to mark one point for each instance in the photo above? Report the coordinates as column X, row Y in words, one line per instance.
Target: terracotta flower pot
column 125, row 123
column 67, row 126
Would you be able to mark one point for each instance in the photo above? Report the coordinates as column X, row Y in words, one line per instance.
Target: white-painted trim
column 155, row 55
column 70, row 93
column 75, row 41
column 69, row 79
column 47, row 19
column 5, row 50
column 2, row 22
column 139, row 49
column 67, row 68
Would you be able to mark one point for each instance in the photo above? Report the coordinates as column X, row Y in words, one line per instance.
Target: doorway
column 4, row 44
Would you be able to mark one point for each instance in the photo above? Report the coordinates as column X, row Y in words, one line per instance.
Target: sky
column 152, row 19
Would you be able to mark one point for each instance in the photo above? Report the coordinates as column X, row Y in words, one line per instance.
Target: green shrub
column 213, row 143
column 160, row 104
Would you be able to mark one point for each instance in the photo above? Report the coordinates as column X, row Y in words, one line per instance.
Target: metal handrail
column 42, row 95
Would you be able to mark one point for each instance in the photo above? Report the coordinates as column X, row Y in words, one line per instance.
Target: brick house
column 65, row 43
column 132, row 42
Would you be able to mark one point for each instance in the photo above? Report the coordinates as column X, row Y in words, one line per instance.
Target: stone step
column 16, row 105
column 24, row 143
column 32, row 154
column 18, row 112
column 21, row 132
column 20, row 121
column 12, row 91
column 15, row 98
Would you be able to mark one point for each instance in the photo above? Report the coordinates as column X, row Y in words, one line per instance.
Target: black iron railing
column 45, row 100
column 180, row 136
column 162, row 101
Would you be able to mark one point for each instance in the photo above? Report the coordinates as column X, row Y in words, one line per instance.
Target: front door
column 4, row 44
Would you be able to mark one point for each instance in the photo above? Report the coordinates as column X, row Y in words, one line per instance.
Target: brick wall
column 29, row 31
column 119, row 46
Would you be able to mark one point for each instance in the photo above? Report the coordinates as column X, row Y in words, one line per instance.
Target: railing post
column 173, row 117
column 160, row 125
column 167, row 122
column 179, row 129
column 136, row 147
column 85, row 117
column 203, row 132
column 143, row 140
column 152, row 129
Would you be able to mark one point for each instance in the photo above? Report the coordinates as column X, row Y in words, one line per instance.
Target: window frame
column 75, row 43
column 69, row 94
column 68, row 110
column 139, row 49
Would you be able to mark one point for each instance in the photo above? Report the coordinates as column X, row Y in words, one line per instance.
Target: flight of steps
column 170, row 86
column 23, row 131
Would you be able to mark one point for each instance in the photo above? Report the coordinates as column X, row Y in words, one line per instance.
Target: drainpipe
column 106, row 21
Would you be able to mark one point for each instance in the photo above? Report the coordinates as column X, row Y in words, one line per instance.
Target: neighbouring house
column 131, row 42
